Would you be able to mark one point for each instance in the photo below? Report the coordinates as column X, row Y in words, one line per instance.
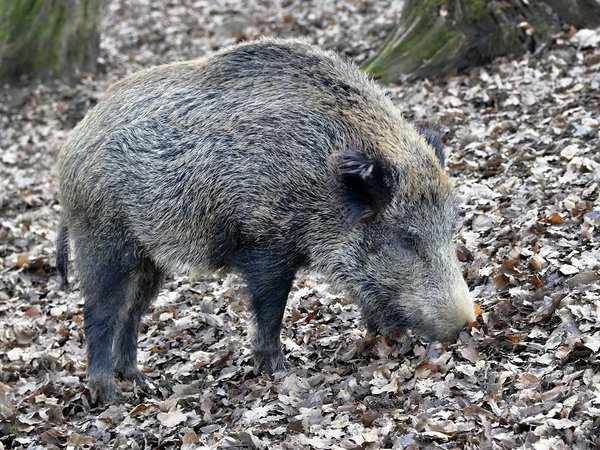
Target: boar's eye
column 409, row 239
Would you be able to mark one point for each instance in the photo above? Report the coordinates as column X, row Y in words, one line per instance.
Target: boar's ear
column 365, row 184
column 433, row 136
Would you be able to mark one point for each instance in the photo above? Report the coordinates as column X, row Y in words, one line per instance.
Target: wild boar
column 262, row 158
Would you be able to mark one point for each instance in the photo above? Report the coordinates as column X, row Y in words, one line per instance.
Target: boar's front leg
column 269, row 276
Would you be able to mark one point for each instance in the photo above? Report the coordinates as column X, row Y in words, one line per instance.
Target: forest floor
column 523, row 139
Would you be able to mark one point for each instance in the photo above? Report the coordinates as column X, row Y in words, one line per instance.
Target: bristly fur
column 433, row 136
column 262, row 158
column 62, row 254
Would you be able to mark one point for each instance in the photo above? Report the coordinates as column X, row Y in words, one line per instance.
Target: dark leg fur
column 106, row 267
column 62, row 254
column 269, row 278
column 148, row 280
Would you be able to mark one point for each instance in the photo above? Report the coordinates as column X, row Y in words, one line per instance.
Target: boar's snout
column 452, row 314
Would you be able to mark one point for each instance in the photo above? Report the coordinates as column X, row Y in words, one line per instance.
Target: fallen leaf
column 568, row 269
column 139, row 409
column 537, row 263
column 369, row 417
column 556, row 219
column 190, row 441
column 470, row 354
column 172, row 418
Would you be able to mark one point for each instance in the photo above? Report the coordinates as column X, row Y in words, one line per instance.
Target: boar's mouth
column 436, row 316
column 425, row 324
column 393, row 320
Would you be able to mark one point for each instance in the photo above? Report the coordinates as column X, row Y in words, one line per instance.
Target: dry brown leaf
column 190, row 441
column 514, row 338
column 139, row 409
column 528, row 381
column 369, row 417
column 555, row 219
column 537, row 263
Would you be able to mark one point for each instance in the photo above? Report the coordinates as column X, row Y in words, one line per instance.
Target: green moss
column 21, row 16
column 541, row 30
column 475, row 10
column 426, row 41
column 13, row 17
column 408, row 52
column 451, row 48
column 414, row 9
column 46, row 38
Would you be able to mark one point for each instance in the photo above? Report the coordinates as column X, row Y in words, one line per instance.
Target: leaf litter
column 524, row 140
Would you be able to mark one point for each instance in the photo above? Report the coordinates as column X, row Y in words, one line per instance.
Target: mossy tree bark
column 440, row 36
column 41, row 39
column 579, row 13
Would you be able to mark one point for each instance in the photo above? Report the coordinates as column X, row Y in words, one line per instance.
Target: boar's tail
column 62, row 254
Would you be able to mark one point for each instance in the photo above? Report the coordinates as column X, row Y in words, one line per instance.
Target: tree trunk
column 440, row 36
column 579, row 13
column 42, row 39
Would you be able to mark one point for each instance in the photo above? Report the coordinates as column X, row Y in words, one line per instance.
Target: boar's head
column 399, row 261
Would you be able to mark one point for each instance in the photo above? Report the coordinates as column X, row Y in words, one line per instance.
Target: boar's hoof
column 132, row 374
column 270, row 362
column 104, row 391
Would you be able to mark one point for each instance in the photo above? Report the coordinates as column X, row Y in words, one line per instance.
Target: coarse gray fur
column 263, row 158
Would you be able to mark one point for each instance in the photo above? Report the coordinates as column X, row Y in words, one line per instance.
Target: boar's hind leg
column 105, row 263
column 146, row 281
column 269, row 279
